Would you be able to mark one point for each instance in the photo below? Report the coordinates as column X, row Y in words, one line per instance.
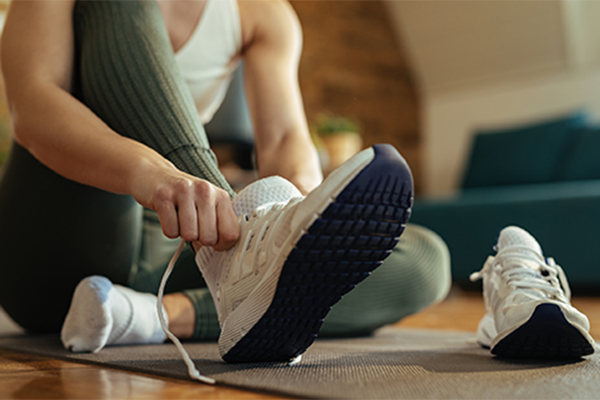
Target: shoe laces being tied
column 522, row 268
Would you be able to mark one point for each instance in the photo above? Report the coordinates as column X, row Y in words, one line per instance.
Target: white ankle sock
column 102, row 314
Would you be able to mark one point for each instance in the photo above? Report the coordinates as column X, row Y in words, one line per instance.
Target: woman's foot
column 104, row 314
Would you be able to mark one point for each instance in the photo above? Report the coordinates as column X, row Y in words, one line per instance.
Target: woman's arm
column 272, row 47
column 37, row 65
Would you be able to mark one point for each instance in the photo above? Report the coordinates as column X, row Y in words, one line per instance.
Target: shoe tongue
column 514, row 236
column 273, row 189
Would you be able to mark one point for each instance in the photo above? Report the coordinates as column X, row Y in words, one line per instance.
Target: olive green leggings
column 54, row 232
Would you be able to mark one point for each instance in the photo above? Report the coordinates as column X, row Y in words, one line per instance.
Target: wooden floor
column 29, row 377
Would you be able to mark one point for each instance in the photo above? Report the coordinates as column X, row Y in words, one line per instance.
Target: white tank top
column 211, row 55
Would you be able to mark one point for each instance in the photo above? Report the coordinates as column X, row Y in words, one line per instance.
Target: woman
column 107, row 101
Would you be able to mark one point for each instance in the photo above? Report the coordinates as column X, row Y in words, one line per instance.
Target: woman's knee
column 103, row 13
column 415, row 276
column 427, row 256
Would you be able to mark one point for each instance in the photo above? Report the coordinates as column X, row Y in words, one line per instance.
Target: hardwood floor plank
column 11, row 362
column 30, row 377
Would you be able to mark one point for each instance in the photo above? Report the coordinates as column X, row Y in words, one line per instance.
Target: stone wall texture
column 352, row 66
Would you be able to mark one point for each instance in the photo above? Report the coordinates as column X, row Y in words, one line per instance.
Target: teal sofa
column 544, row 178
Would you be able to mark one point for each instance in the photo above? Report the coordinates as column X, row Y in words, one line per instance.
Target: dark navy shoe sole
column 350, row 239
column 547, row 335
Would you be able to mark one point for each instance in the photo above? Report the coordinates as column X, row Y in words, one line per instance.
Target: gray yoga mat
column 393, row 364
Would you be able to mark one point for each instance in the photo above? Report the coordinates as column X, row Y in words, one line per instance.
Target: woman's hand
column 189, row 207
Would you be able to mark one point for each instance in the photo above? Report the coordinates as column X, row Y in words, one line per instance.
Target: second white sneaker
column 527, row 299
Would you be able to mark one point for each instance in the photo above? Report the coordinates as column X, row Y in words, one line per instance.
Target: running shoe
column 297, row 256
column 527, row 300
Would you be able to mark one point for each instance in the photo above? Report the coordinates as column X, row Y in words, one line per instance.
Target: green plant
column 327, row 124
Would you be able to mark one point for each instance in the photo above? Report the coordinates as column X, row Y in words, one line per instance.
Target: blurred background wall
column 490, row 64
column 352, row 65
column 5, row 137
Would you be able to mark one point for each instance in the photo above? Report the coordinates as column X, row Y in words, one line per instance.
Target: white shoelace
column 192, row 370
column 549, row 278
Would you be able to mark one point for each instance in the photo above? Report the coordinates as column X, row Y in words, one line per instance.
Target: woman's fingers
column 197, row 211
column 206, row 199
column 227, row 225
column 187, row 215
column 169, row 220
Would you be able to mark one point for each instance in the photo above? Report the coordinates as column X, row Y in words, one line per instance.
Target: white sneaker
column 527, row 299
column 296, row 258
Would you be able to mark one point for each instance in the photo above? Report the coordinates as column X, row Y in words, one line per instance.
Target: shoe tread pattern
column 546, row 335
column 351, row 238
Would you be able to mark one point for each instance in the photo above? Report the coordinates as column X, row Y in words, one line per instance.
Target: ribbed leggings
column 54, row 232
